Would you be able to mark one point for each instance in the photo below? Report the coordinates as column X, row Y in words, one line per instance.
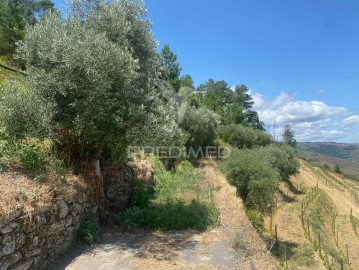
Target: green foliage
column 173, row 204
column 256, row 219
column 283, row 158
column 171, row 69
column 337, row 169
column 97, row 76
column 186, row 81
column 89, row 230
column 22, row 114
column 254, row 177
column 288, row 136
column 32, row 157
column 235, row 106
column 142, row 195
column 244, row 137
column 14, row 15
column 171, row 216
column 233, row 114
column 201, row 126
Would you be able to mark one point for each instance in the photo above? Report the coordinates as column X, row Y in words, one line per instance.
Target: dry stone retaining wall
column 35, row 240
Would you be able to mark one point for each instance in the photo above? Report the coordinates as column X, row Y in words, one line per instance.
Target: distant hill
column 320, row 153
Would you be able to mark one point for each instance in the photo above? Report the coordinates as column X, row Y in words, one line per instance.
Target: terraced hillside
column 317, row 223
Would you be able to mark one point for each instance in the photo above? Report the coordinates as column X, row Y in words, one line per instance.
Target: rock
column 24, row 266
column 35, row 241
column 37, row 260
column 76, row 208
column 63, row 209
column 36, row 252
column 20, row 241
column 14, row 258
column 9, row 248
column 68, row 221
column 4, row 266
column 6, row 229
column 14, row 225
column 55, row 227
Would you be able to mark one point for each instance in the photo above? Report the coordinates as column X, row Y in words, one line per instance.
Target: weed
column 89, row 230
column 142, row 195
column 32, row 158
column 173, row 204
column 256, row 219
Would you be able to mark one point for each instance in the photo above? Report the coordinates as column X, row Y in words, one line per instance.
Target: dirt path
column 212, row 249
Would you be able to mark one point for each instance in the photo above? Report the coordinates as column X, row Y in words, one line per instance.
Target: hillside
column 345, row 155
column 317, row 204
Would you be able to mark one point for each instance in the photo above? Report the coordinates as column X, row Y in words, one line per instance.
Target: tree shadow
column 284, row 248
column 285, row 197
column 293, row 188
column 140, row 244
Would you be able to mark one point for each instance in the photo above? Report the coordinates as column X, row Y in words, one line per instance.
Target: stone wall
column 33, row 240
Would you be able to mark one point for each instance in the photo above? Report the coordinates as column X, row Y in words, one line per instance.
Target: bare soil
column 211, row 249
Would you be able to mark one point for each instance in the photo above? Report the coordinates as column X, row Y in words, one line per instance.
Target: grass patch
column 176, row 202
column 89, row 230
column 256, row 219
column 320, row 216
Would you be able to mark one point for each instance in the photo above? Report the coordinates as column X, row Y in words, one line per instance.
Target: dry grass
column 335, row 195
column 20, row 193
column 234, row 219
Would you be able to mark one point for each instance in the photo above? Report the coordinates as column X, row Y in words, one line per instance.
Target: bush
column 256, row 219
column 142, row 195
column 283, row 158
column 254, row 177
column 89, row 230
column 171, row 216
column 173, row 205
column 244, row 137
column 32, row 158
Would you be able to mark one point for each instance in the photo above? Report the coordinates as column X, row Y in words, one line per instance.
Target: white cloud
column 310, row 120
column 351, row 121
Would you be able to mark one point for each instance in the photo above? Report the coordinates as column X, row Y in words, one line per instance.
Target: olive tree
column 96, row 68
column 254, row 177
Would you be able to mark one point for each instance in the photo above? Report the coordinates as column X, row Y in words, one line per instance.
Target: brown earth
column 212, row 249
column 341, row 194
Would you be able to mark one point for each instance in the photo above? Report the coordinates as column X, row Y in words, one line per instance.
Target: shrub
column 32, row 158
column 89, row 230
column 256, row 219
column 254, row 177
column 171, row 216
column 283, row 158
column 244, row 137
column 142, row 195
column 173, row 204
column 337, row 169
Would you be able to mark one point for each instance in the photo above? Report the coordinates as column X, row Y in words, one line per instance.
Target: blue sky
column 299, row 58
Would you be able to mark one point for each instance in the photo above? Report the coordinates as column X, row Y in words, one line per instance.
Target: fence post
column 347, row 250
column 276, row 232
column 320, row 248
